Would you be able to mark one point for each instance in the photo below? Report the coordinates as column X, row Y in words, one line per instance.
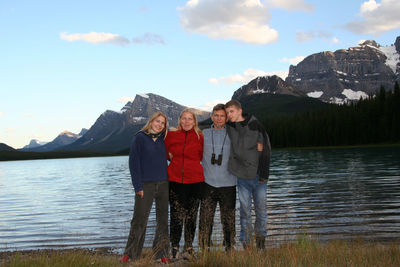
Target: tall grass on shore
column 304, row 252
column 57, row 258
column 68, row 258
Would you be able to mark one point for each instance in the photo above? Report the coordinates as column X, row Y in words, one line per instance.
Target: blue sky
column 63, row 63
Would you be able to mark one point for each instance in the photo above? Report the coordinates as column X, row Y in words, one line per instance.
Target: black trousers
column 184, row 202
column 157, row 191
column 226, row 197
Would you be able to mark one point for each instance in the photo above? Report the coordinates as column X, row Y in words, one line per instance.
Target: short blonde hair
column 234, row 103
column 157, row 114
column 196, row 123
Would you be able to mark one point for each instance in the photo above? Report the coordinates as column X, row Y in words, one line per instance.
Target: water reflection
column 336, row 194
column 332, row 194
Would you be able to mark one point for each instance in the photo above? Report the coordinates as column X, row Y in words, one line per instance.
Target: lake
column 329, row 194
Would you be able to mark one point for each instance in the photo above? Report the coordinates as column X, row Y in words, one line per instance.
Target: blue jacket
column 147, row 160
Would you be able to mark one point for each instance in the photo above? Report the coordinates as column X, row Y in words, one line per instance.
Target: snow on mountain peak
column 353, row 95
column 67, row 133
column 393, row 58
column 144, row 95
column 315, row 94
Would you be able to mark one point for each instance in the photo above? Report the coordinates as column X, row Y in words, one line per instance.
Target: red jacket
column 187, row 152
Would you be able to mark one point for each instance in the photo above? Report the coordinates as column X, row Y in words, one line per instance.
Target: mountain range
column 322, row 78
column 34, row 143
column 113, row 130
column 335, row 77
column 347, row 74
column 63, row 139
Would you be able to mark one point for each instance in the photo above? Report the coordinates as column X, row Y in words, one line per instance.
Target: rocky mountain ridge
column 5, row 147
column 34, row 143
column 266, row 84
column 63, row 139
column 347, row 74
column 114, row 130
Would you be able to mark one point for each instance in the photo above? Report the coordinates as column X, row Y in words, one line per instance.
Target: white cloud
column 376, row 18
column 96, row 38
column 125, row 99
column 242, row 20
column 28, row 115
column 302, row 36
column 149, row 38
column 246, row 77
column 369, row 6
column 292, row 61
column 1, row 114
column 291, row 5
column 335, row 40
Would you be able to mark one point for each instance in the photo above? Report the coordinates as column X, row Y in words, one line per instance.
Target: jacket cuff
column 138, row 188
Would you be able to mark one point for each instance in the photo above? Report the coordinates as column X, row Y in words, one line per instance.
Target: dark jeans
column 226, row 197
column 184, row 204
column 157, row 191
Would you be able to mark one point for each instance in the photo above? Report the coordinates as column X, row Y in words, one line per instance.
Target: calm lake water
column 88, row 202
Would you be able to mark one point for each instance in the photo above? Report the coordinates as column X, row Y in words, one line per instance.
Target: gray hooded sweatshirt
column 244, row 160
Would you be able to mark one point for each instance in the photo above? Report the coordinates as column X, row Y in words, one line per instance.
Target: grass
column 304, row 252
column 47, row 258
column 308, row 253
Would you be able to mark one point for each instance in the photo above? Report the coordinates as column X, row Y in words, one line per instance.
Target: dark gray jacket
column 244, row 160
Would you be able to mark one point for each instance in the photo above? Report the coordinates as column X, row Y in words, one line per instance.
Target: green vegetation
column 375, row 120
column 302, row 253
column 308, row 253
column 47, row 258
column 19, row 155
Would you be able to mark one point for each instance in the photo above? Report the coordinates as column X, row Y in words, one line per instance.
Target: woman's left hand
column 140, row 193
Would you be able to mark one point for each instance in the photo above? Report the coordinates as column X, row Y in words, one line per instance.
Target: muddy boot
column 174, row 252
column 260, row 242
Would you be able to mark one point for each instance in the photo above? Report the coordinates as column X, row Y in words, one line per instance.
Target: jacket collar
column 183, row 131
column 247, row 117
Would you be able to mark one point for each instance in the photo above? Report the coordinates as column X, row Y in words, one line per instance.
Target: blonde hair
column 157, row 114
column 196, row 124
column 234, row 103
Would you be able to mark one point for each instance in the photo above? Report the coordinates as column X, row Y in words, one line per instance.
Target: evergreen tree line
column 373, row 120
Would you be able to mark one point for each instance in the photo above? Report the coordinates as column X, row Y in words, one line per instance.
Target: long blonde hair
column 157, row 114
column 196, row 124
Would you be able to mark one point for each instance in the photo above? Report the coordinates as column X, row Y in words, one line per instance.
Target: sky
column 63, row 63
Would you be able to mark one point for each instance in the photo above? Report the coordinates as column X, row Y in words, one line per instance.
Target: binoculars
column 216, row 161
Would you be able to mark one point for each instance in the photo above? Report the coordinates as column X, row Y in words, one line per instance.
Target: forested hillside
column 373, row 120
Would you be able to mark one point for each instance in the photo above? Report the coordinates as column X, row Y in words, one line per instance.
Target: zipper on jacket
column 183, row 154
